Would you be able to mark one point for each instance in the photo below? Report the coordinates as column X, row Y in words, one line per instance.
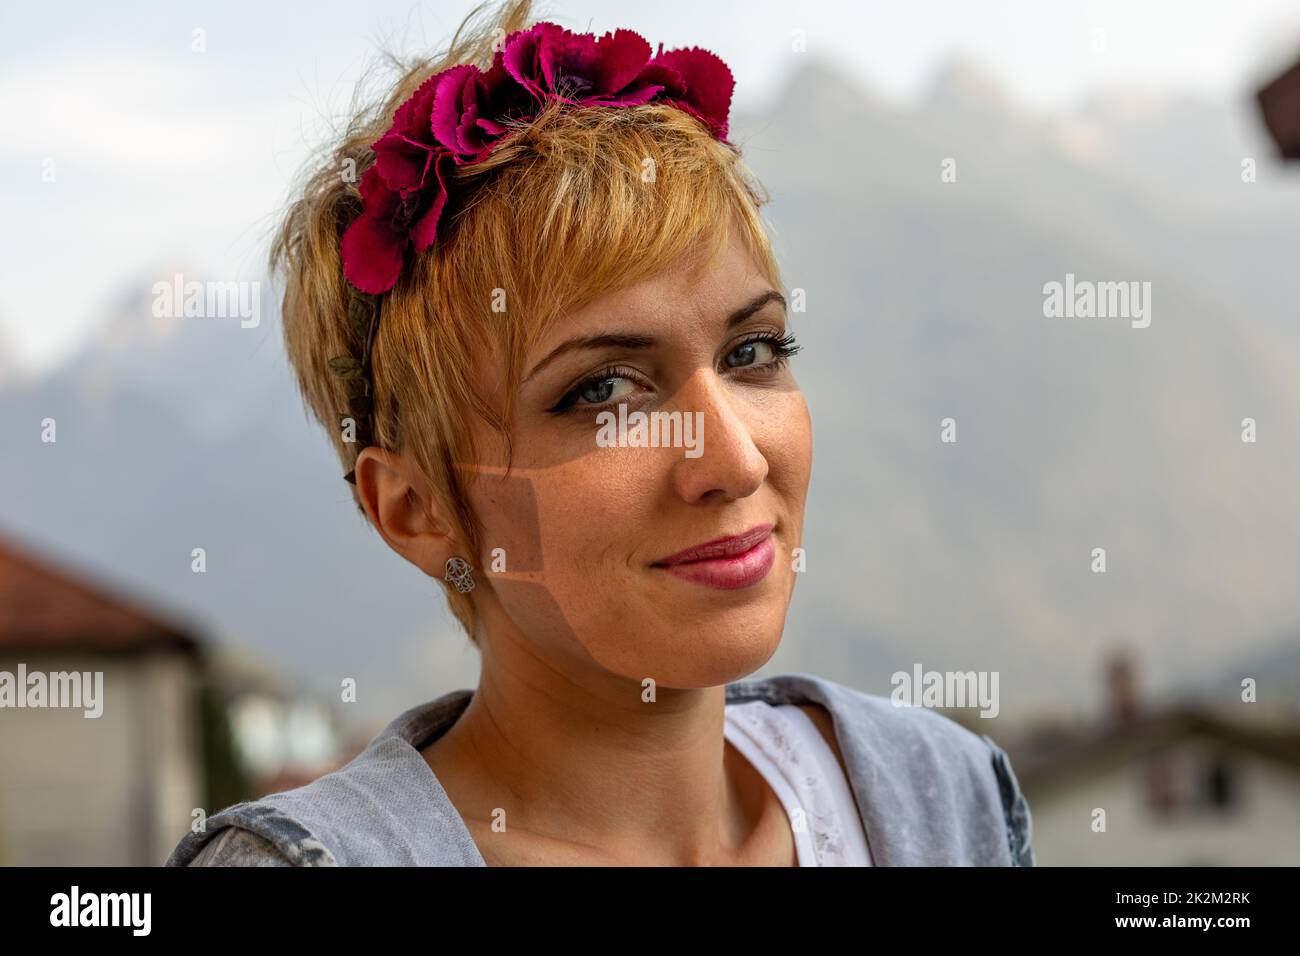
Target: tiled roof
column 57, row 608
column 1053, row 760
column 1279, row 101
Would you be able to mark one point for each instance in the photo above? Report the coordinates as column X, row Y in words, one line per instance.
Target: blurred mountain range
column 924, row 301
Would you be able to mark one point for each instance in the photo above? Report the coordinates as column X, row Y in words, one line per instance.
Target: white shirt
column 786, row 747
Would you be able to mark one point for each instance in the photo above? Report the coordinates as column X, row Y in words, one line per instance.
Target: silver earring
column 459, row 574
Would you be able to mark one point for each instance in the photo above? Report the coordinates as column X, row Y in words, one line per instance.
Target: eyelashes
column 782, row 347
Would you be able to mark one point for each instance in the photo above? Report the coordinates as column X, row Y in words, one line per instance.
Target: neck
column 577, row 757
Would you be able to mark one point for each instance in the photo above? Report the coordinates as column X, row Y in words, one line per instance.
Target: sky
column 127, row 153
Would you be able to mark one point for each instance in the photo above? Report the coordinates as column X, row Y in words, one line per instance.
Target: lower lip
column 728, row 574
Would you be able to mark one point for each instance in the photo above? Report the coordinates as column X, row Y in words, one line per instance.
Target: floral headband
column 458, row 116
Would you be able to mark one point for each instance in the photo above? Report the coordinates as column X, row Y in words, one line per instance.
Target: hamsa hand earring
column 459, row 574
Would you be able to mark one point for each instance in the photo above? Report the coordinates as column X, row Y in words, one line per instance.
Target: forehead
column 691, row 294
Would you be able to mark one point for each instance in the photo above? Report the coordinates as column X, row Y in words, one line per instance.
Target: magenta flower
column 458, row 117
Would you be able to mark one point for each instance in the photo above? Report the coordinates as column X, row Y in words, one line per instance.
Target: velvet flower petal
column 708, row 85
column 520, row 58
column 372, row 248
column 425, row 228
column 454, row 118
column 502, row 97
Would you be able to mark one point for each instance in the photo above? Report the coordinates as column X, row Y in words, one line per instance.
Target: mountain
column 925, row 300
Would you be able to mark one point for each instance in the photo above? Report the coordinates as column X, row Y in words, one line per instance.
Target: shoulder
column 1015, row 807
column 956, row 773
column 252, row 833
column 236, row 846
column 384, row 808
column 943, row 792
column 317, row 824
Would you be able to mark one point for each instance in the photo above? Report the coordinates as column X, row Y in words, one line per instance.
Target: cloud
column 130, row 116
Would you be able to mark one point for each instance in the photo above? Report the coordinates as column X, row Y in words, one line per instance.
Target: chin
column 690, row 653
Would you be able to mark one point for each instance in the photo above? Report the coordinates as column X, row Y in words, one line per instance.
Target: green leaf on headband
column 346, row 366
column 359, row 312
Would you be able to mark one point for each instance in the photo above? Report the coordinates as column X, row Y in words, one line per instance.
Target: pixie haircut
column 562, row 212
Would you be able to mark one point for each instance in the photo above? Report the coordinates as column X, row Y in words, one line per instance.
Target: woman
column 546, row 333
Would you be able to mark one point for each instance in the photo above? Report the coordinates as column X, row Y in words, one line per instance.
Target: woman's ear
column 398, row 503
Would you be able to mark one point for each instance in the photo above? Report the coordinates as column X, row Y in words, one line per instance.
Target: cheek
column 593, row 510
column 568, row 532
column 572, row 522
column 507, row 510
column 787, row 445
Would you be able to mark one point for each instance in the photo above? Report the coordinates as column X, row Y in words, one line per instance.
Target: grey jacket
column 930, row 793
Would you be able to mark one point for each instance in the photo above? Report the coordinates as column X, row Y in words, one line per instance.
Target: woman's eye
column 766, row 356
column 602, row 388
column 749, row 354
column 605, row 390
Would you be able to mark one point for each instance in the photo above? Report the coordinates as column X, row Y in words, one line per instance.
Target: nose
column 731, row 465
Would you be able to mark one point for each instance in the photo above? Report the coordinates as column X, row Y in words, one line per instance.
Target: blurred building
column 181, row 725
column 1179, row 786
column 113, row 789
column 283, row 737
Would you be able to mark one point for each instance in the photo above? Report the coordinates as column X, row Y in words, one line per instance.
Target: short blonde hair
column 559, row 214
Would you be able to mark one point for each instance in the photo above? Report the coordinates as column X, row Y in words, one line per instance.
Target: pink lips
column 725, row 563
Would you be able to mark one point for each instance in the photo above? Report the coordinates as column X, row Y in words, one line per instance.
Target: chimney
column 1122, row 704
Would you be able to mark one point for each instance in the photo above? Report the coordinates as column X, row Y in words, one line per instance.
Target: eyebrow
column 630, row 341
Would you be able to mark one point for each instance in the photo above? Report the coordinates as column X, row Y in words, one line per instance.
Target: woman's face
column 587, row 517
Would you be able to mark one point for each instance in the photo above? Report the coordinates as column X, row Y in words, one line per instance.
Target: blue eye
column 745, row 354
column 602, row 391
column 764, row 351
column 765, row 354
column 607, row 385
